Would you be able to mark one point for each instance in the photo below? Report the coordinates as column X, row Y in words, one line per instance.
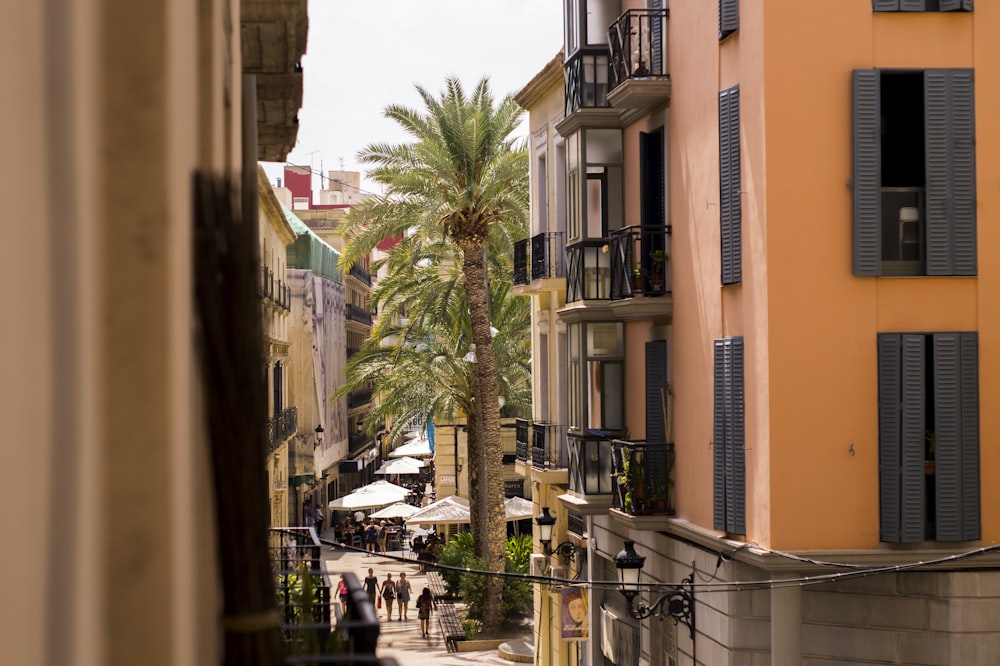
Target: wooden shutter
column 951, row 189
column 867, row 172
column 885, row 5
column 730, row 199
column 656, row 392
column 913, row 5
column 738, row 518
column 955, row 5
column 729, row 17
column 719, row 437
column 956, row 422
column 889, row 364
column 913, row 495
column 657, row 67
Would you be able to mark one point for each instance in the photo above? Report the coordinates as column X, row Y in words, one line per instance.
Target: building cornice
column 541, row 83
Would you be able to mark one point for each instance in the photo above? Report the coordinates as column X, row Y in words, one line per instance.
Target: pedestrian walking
column 383, row 534
column 371, row 585
column 388, row 594
column 403, row 589
column 342, row 592
column 371, row 538
column 424, row 603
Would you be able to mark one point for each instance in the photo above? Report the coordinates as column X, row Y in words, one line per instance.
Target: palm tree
column 460, row 178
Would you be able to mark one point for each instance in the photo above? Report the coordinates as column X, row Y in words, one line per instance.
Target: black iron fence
column 358, row 314
column 643, row 477
column 588, row 275
column 361, row 273
column 280, row 427
column 639, row 262
column 276, row 291
column 637, row 44
column 589, row 463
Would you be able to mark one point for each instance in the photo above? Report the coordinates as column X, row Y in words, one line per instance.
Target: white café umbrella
column 404, row 465
column 454, row 510
column 418, row 447
column 397, row 510
column 378, row 493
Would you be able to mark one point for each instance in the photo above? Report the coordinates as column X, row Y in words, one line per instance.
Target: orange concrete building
column 804, row 392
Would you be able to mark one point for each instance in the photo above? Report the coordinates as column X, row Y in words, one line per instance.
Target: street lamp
column 546, row 521
column 677, row 602
column 319, row 435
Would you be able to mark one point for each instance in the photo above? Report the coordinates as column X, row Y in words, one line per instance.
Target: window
column 729, row 17
column 914, row 172
column 730, row 179
column 922, row 5
column 729, row 462
column 277, row 387
column 928, row 397
column 596, row 376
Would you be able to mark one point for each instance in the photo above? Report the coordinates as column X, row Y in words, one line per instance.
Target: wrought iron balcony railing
column 637, row 44
column 313, row 633
column 357, row 441
column 358, row 314
column 639, row 263
column 589, row 273
column 275, row 290
column 587, row 74
column 521, row 262
column 361, row 273
column 589, row 463
column 359, row 398
column 548, row 255
column 280, row 427
column 548, row 446
column 521, row 443
column 643, row 477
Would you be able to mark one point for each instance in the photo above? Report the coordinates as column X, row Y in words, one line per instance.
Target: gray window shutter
column 913, row 496
column 656, row 392
column 889, row 370
column 867, row 172
column 730, row 178
column 885, row 5
column 657, row 66
column 951, row 172
column 719, row 437
column 738, row 516
column 956, row 5
column 956, row 406
column 729, row 17
column 912, row 5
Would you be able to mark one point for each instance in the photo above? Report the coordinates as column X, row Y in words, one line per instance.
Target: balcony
column 639, row 264
column 358, row 314
column 311, row 633
column 638, row 68
column 359, row 398
column 587, row 75
column 643, row 474
column 357, row 441
column 275, row 291
column 590, row 467
column 280, row 427
column 361, row 274
column 548, row 446
column 542, row 257
column 589, row 272
column 521, row 444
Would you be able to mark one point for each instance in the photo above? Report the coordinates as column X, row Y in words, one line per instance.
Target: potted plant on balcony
column 657, row 259
column 637, row 276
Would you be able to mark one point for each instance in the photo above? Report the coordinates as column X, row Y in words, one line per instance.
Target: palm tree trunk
column 487, row 396
column 474, row 448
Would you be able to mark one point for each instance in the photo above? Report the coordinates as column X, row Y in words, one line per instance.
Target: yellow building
column 776, row 334
column 132, row 128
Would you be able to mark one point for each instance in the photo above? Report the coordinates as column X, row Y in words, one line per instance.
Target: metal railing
column 280, row 427
column 521, row 444
column 317, row 630
column 548, row 446
column 637, row 44
column 361, row 274
column 358, row 314
column 588, row 274
column 359, row 398
column 589, row 463
column 357, row 441
column 639, row 262
column 587, row 74
column 548, row 255
column 643, row 477
column 275, row 290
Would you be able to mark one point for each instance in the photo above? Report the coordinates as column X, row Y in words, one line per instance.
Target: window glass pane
column 573, row 151
column 574, row 341
column 614, row 389
column 604, row 339
column 600, row 15
column 604, row 146
column 613, row 194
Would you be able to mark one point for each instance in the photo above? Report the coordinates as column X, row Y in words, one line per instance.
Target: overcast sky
column 363, row 56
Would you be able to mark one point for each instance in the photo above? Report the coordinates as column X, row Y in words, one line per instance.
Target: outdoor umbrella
column 404, row 465
column 378, row 493
column 454, row 510
column 397, row 510
column 418, row 447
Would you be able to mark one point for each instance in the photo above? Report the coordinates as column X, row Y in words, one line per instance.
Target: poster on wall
column 573, row 603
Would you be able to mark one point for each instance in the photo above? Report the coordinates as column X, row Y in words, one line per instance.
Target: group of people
column 391, row 592
column 374, row 535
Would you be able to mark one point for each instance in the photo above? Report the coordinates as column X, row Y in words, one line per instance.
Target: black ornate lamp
column 678, row 602
column 546, row 521
column 319, row 435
